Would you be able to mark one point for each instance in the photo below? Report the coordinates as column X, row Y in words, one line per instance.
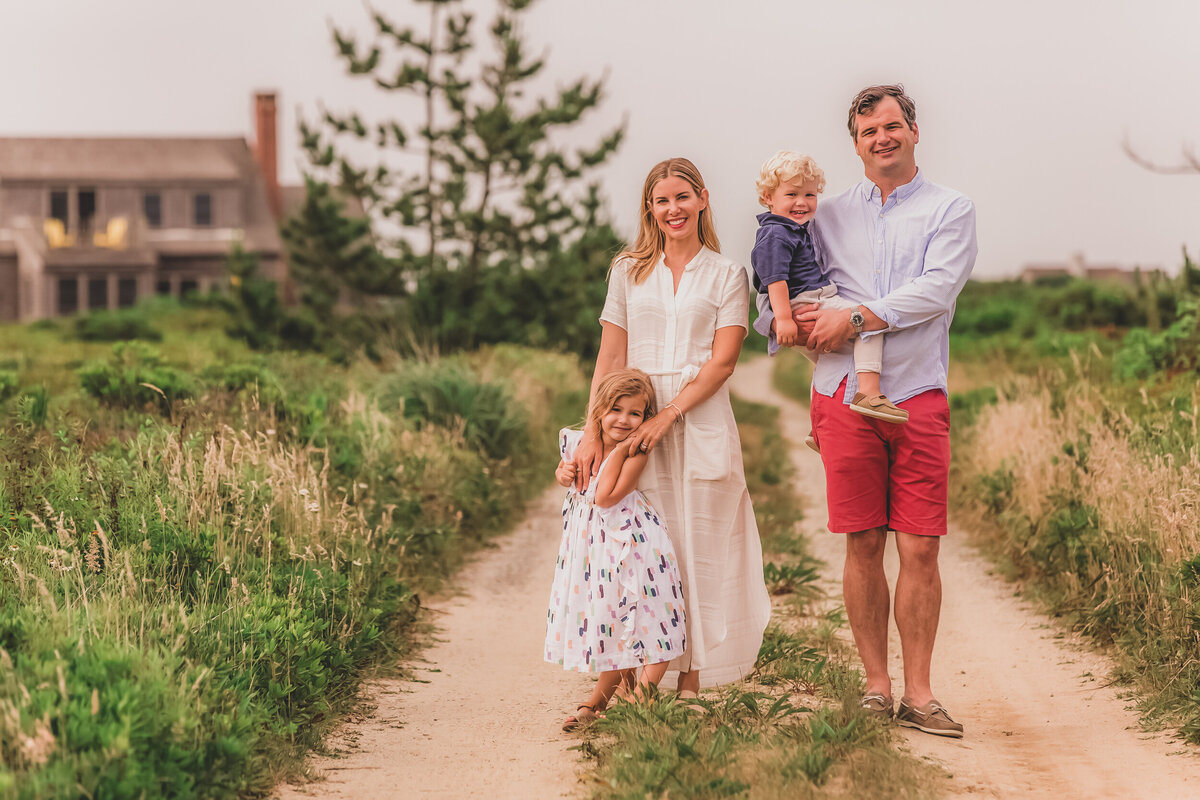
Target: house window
column 68, row 296
column 163, row 288
column 97, row 293
column 87, row 209
column 126, row 292
column 187, row 286
column 58, row 207
column 152, row 208
column 202, row 209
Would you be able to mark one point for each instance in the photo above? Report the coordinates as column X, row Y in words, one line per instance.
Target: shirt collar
column 871, row 192
column 777, row 219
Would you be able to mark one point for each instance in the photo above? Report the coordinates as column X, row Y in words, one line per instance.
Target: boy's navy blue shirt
column 784, row 251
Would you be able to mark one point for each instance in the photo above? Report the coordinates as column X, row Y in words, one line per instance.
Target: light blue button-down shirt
column 906, row 260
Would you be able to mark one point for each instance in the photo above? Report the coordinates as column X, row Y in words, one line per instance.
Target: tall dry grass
column 1091, row 494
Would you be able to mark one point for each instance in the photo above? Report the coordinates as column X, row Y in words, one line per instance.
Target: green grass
column 195, row 579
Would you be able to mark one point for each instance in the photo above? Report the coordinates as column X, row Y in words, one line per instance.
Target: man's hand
column 804, row 325
column 565, row 473
column 588, row 457
column 831, row 329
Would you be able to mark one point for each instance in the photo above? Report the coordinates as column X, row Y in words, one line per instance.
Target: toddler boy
column 786, row 269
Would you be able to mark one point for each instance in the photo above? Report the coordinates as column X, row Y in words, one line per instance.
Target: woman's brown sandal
column 577, row 720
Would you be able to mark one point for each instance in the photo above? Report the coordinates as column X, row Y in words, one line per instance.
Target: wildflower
column 362, row 486
column 14, row 547
column 312, row 506
column 303, row 492
column 270, row 431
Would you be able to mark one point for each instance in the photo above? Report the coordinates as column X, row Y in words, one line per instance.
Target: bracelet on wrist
column 677, row 411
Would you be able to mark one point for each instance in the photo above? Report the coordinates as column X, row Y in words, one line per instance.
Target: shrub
column 134, row 376
column 254, row 377
column 115, row 326
column 447, row 395
column 1178, row 347
column 8, row 384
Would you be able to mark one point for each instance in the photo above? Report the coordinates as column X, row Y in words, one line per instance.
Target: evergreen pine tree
column 479, row 191
column 333, row 255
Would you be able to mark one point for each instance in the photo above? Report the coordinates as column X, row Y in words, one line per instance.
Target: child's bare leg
column 868, row 383
column 653, row 673
column 606, row 686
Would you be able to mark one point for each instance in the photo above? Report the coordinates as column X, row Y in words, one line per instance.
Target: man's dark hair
column 865, row 101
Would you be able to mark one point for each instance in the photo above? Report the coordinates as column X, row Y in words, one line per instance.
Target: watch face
column 856, row 319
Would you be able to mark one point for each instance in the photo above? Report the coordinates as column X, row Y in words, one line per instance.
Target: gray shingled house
column 95, row 223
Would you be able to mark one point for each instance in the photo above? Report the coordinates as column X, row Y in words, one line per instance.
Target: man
column 902, row 247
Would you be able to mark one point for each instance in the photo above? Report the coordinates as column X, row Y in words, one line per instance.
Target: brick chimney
column 266, row 150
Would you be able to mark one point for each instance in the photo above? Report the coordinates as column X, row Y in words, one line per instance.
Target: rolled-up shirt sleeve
column 762, row 323
column 949, row 259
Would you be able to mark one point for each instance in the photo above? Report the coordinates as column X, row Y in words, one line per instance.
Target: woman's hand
column 647, row 437
column 588, row 456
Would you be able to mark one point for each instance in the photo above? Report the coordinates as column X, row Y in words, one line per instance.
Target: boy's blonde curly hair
column 787, row 165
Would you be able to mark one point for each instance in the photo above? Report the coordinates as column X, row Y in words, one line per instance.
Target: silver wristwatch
column 857, row 320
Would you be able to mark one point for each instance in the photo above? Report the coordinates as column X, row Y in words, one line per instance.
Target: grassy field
column 793, row 729
column 1077, row 464
column 204, row 547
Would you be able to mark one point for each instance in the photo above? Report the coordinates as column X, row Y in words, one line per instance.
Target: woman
column 677, row 309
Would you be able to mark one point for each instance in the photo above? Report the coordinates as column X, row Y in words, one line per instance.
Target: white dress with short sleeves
column 695, row 476
column 616, row 602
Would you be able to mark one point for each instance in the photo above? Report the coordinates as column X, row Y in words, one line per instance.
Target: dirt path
column 484, row 719
column 1039, row 722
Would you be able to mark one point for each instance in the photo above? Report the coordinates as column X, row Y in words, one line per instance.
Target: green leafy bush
column 447, row 395
column 135, row 376
column 1144, row 352
column 245, row 376
column 8, row 384
column 115, row 326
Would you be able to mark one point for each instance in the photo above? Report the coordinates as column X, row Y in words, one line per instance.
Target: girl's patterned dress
column 617, row 601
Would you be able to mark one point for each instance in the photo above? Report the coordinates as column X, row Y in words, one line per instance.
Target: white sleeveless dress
column 616, row 601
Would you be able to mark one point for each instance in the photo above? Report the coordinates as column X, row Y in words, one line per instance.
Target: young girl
column 617, row 601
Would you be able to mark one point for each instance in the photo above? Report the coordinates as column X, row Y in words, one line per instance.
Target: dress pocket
column 707, row 448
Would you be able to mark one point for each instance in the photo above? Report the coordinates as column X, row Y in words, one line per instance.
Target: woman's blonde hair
column 627, row 382
column 787, row 165
column 651, row 241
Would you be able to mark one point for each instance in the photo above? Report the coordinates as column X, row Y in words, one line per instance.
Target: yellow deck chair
column 56, row 234
column 114, row 237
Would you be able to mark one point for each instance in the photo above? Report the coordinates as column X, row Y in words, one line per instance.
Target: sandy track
column 484, row 720
column 1039, row 722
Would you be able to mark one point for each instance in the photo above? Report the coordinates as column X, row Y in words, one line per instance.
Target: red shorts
column 878, row 473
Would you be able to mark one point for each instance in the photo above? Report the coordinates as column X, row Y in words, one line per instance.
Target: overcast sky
column 1022, row 105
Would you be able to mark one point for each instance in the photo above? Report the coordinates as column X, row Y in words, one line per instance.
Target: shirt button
column 880, row 241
